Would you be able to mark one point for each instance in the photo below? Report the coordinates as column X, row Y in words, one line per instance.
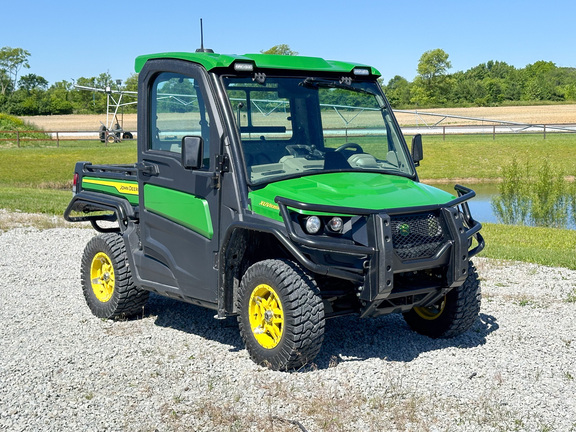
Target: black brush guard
column 387, row 254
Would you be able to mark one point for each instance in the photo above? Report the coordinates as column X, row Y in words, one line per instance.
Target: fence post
column 443, row 133
column 493, row 132
column 18, row 138
column 544, row 131
column 57, row 139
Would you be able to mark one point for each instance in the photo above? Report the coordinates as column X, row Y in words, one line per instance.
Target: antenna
column 201, row 35
column 202, row 49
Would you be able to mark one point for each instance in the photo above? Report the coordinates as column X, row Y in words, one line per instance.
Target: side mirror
column 192, row 152
column 417, row 153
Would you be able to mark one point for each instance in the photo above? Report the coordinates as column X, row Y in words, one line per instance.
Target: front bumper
column 382, row 258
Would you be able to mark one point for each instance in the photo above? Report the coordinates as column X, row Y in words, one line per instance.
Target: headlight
column 313, row 224
column 336, row 224
column 346, row 228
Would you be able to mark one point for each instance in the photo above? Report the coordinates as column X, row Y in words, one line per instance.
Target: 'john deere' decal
column 122, row 187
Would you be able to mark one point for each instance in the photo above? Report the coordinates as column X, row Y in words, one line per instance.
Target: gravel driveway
column 178, row 369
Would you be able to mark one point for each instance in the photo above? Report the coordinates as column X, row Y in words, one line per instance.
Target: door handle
column 148, row 169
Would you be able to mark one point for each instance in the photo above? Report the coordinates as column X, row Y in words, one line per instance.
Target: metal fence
column 22, row 136
column 475, row 125
column 493, row 130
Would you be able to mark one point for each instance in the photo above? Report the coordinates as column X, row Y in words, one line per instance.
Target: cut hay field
column 542, row 114
column 77, row 122
column 539, row 114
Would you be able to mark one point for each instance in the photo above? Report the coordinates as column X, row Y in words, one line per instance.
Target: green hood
column 350, row 189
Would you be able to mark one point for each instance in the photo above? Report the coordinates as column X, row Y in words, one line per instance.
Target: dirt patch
column 544, row 114
column 10, row 220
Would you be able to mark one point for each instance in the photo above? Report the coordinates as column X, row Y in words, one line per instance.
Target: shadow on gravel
column 388, row 337
column 195, row 320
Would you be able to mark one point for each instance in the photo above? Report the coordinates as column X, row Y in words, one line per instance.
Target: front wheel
column 107, row 281
column 281, row 315
column 453, row 314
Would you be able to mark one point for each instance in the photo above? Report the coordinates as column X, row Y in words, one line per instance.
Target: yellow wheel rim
column 431, row 312
column 266, row 316
column 102, row 277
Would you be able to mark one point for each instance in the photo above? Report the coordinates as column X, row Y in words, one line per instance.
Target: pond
column 481, row 204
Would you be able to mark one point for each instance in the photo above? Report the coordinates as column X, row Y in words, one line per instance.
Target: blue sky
column 70, row 39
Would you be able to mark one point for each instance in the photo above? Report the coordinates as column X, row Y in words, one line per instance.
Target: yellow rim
column 266, row 316
column 102, row 277
column 431, row 312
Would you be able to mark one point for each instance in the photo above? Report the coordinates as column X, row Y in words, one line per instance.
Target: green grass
column 546, row 246
column 33, row 200
column 481, row 157
column 35, row 170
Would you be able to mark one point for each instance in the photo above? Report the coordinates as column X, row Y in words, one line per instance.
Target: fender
column 89, row 202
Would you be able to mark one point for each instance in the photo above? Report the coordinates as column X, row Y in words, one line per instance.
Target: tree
column 433, row 64
column 431, row 86
column 281, row 49
column 11, row 61
column 60, row 98
column 398, row 91
column 32, row 82
column 5, row 83
column 131, row 83
column 540, row 81
column 93, row 102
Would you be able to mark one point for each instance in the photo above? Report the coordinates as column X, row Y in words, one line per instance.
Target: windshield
column 301, row 126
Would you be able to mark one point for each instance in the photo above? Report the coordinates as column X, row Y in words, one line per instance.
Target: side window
column 177, row 110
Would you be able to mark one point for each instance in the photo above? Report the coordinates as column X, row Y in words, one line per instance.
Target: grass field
column 39, row 180
column 480, row 158
column 545, row 246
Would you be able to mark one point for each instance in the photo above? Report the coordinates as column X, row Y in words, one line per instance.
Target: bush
column 534, row 196
column 11, row 123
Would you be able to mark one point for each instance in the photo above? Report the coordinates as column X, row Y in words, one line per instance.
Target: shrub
column 537, row 196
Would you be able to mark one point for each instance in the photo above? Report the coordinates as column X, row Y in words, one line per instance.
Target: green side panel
column 371, row 191
column 180, row 207
column 265, row 61
column 263, row 204
column 121, row 188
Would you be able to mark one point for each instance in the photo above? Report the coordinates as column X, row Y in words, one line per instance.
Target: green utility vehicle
column 279, row 190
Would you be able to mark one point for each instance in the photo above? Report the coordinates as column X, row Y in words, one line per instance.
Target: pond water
column 481, row 204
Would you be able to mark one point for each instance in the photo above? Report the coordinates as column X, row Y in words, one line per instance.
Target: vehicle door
column 179, row 205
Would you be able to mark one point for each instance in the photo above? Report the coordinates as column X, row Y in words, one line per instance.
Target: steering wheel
column 353, row 146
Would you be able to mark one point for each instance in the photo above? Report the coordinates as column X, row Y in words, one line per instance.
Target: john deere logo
column 404, row 229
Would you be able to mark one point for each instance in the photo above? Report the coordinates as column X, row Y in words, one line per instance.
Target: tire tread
column 128, row 299
column 304, row 307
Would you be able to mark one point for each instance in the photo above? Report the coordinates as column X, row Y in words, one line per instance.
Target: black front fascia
column 381, row 260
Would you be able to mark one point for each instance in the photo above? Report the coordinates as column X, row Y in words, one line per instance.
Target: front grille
column 417, row 236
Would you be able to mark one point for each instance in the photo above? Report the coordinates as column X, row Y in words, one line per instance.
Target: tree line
column 488, row 84
column 31, row 94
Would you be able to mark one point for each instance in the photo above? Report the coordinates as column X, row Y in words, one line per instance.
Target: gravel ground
column 176, row 368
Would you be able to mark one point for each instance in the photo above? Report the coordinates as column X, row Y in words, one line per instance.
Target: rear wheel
column 102, row 133
column 452, row 315
column 281, row 315
column 107, row 281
